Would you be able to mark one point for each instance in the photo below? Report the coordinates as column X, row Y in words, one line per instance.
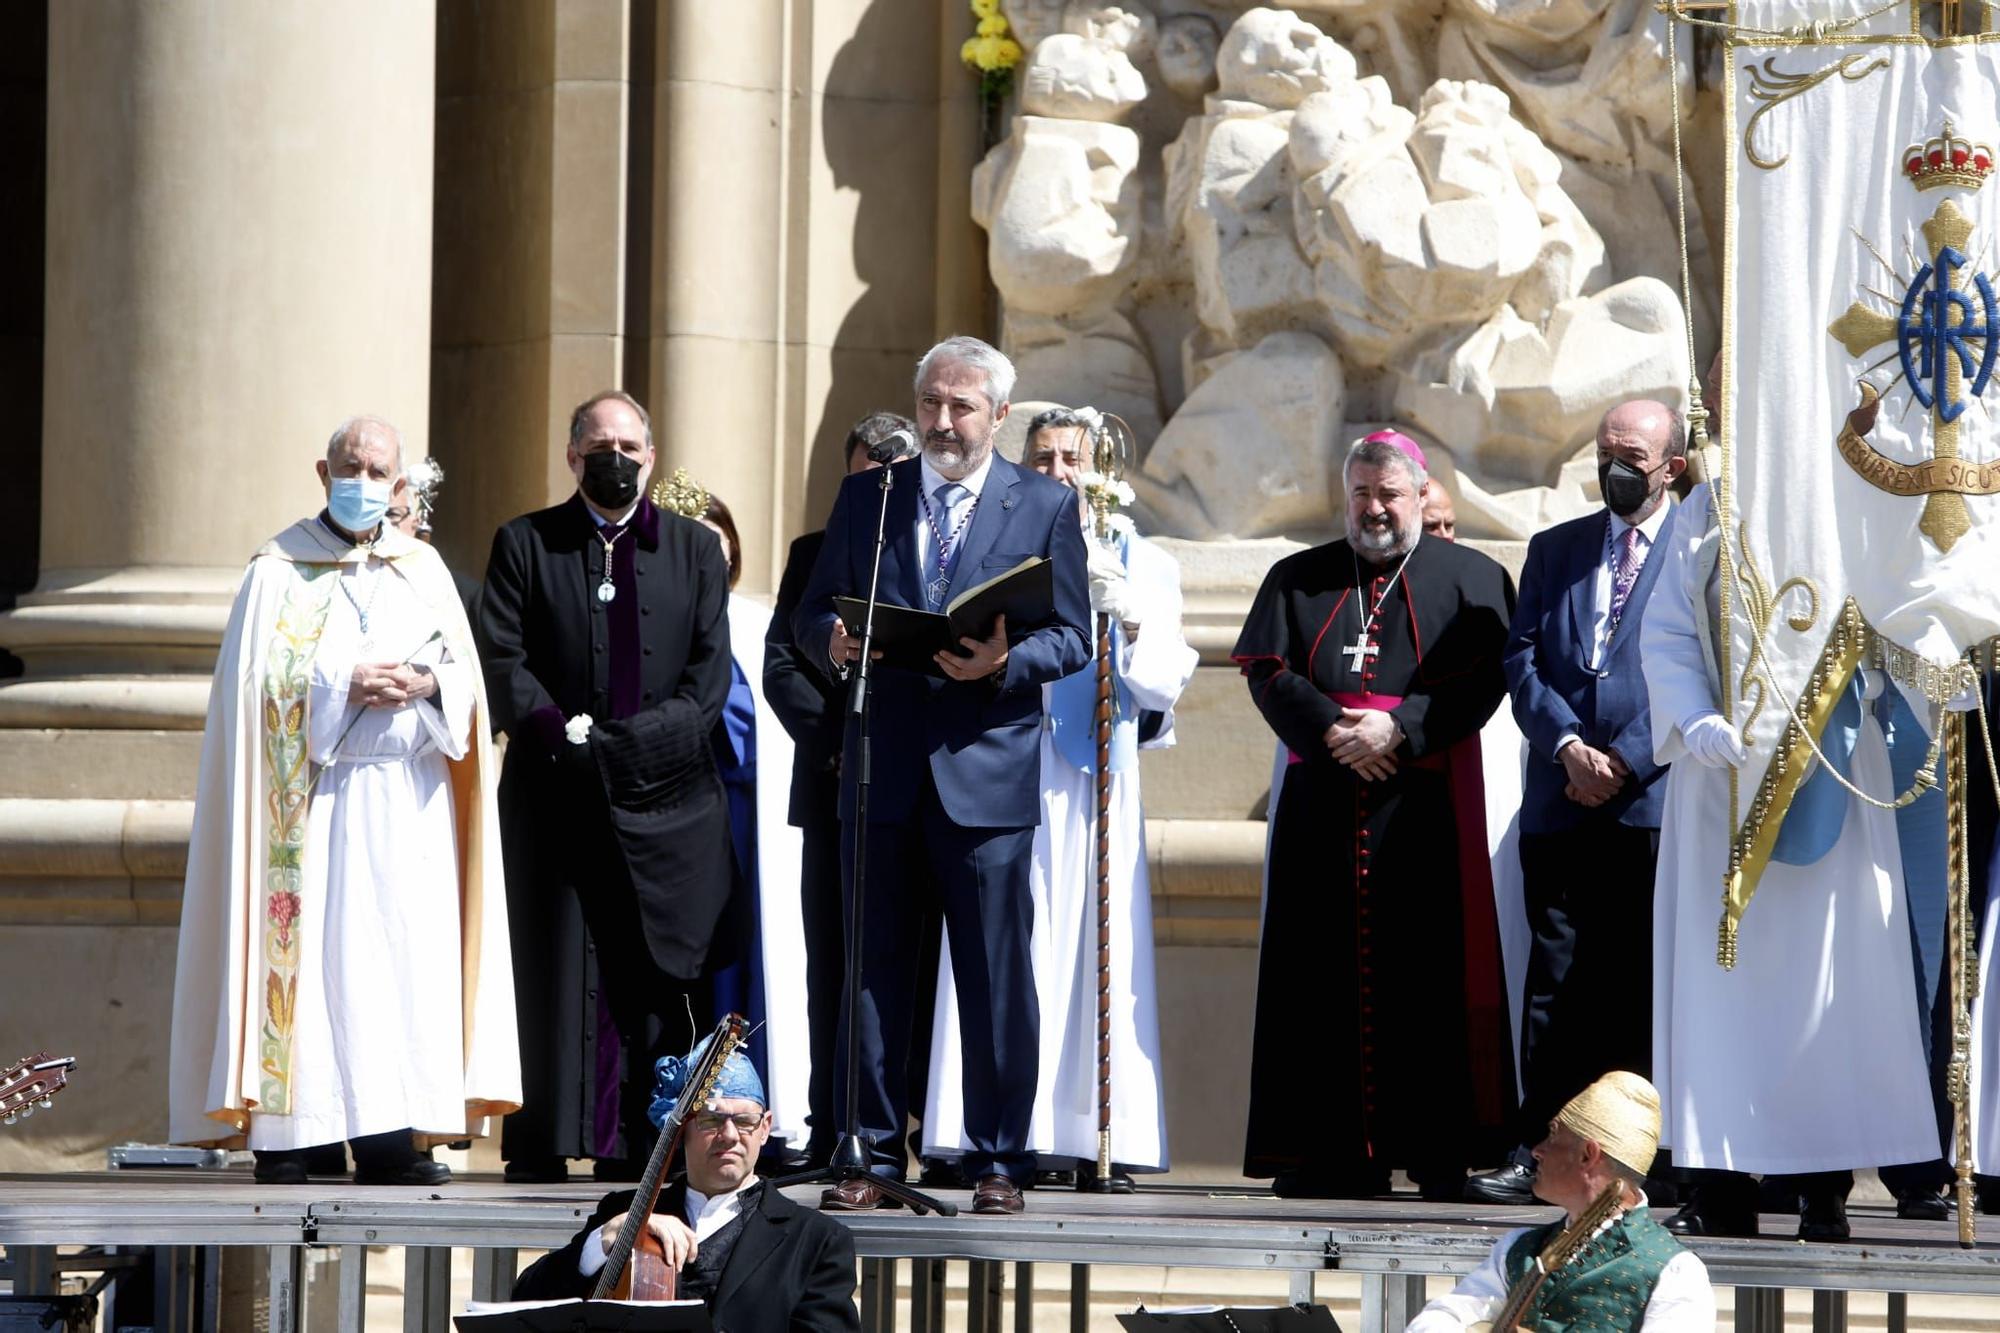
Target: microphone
column 896, row 445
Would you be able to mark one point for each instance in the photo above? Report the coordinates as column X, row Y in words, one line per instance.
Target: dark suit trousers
column 977, row 880
column 821, row 911
column 1588, row 1005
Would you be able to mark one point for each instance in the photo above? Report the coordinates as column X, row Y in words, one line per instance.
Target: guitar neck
column 644, row 1200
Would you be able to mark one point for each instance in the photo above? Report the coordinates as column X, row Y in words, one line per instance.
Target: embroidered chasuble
column 1380, row 948
column 343, row 958
column 1605, row 1289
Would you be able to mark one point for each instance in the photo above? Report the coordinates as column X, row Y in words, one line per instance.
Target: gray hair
column 1054, row 418
column 987, row 359
column 364, row 425
column 1381, row 453
column 582, row 414
column 876, row 427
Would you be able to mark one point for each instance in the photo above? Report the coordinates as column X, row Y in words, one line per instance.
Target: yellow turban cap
column 1621, row 1112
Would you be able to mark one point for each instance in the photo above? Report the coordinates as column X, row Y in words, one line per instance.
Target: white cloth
column 1155, row 666
column 1835, row 236
column 781, row 928
column 704, row 1215
column 385, row 1000
column 1757, row 1067
column 1682, row 1300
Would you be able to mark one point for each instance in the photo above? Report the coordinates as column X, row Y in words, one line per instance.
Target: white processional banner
column 1858, row 399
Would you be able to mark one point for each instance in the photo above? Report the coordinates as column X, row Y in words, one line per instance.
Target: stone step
column 71, row 763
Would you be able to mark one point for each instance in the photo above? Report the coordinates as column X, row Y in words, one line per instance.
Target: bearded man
column 955, row 790
column 1376, row 659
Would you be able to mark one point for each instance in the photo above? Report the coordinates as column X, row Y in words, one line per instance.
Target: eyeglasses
column 711, row 1122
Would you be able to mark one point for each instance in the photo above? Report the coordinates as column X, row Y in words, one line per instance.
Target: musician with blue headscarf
column 757, row 1259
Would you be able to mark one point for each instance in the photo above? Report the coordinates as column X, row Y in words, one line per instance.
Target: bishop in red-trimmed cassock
column 1376, row 660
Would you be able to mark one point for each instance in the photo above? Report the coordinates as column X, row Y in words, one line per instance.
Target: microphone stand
column 850, row 1158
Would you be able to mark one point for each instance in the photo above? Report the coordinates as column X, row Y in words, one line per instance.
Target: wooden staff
column 1962, row 954
column 1110, row 450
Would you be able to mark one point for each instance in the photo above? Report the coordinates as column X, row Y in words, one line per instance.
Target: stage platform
column 1390, row 1246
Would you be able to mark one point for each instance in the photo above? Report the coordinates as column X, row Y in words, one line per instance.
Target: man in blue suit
column 1592, row 795
column 955, row 788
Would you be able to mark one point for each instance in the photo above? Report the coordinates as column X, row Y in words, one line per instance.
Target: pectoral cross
column 1360, row 651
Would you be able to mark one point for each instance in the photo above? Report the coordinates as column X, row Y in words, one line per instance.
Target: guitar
column 636, row 1268
column 32, row 1084
column 1605, row 1209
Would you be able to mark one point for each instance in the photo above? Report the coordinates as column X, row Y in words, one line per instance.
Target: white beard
column 955, row 461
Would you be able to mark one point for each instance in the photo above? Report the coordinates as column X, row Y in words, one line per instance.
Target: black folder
column 909, row 639
column 589, row 1317
column 1216, row 1319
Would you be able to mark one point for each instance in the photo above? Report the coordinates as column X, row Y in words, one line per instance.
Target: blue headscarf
column 670, row 1075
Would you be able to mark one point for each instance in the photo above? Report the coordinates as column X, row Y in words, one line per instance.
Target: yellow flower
column 986, row 52
column 985, row 9
column 1007, row 54
column 993, row 27
column 968, row 52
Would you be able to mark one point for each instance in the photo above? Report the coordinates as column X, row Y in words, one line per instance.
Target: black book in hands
column 910, row 639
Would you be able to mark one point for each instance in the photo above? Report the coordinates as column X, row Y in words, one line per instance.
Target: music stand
column 1216, row 1319
column 850, row 1158
column 589, row 1317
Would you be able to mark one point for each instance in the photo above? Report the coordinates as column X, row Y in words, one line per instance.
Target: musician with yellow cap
column 1607, row 1264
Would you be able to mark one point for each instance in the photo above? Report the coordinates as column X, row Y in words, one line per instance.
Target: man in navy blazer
column 1592, row 795
column 955, row 789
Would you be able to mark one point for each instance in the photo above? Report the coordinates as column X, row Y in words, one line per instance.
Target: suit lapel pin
column 1007, row 502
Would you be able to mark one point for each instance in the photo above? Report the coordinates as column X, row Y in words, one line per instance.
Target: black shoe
column 536, row 1171
column 419, row 1171
column 1118, row 1182
column 1823, row 1217
column 617, row 1169
column 1694, row 1220
column 1051, row 1179
column 939, row 1174
column 1511, row 1184
column 280, row 1168
column 1922, row 1205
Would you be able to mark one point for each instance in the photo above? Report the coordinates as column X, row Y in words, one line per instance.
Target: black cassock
column 1381, row 1037
column 627, row 834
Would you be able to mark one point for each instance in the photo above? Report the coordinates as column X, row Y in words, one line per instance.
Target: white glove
column 1110, row 594
column 1965, row 701
column 1713, row 741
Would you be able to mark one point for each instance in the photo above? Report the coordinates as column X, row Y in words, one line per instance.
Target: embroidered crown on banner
column 1948, row 159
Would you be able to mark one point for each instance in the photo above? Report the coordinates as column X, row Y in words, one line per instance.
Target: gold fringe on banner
column 1750, row 849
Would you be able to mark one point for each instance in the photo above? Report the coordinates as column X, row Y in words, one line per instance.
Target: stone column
column 239, row 241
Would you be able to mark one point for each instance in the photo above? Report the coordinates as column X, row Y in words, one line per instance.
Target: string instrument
column 637, row 1268
column 1605, row 1209
column 29, row 1085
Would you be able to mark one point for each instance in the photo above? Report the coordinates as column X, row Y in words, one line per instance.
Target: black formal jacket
column 652, row 668
column 791, row 1269
column 806, row 699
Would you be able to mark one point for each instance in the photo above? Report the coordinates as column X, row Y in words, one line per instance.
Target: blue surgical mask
column 358, row 503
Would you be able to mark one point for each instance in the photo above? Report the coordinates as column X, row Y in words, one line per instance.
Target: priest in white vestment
column 1138, row 585
column 344, row 966
column 1807, row 1056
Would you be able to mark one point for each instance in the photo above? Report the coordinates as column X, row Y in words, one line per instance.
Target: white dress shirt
column 1682, row 1301
column 704, row 1214
column 932, row 479
column 1601, row 585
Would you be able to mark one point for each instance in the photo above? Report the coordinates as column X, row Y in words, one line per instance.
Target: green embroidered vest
column 1606, row 1287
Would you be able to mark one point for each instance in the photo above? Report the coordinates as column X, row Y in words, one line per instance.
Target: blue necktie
column 944, row 518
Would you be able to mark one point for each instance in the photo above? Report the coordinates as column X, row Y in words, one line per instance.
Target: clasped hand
column 676, row 1239
column 390, row 684
column 1594, row 775
column 1365, row 740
